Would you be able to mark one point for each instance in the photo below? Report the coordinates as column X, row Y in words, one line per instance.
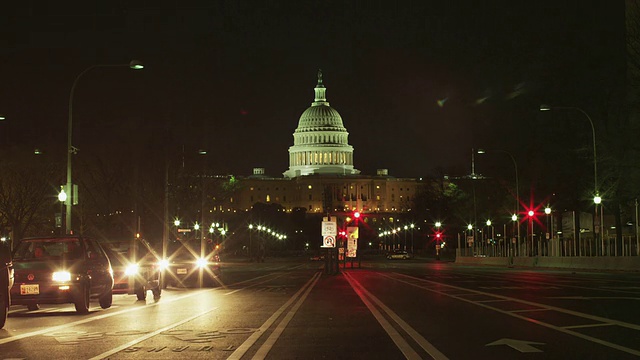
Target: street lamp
column 547, row 210
column 412, row 226
column 250, row 231
column 134, row 64
column 62, row 197
column 596, row 193
column 514, row 217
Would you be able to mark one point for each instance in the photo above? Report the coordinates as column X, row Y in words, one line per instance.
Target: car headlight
column 163, row 264
column 131, row 270
column 201, row 262
column 61, row 276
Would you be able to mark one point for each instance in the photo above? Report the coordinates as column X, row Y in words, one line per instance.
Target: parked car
column 58, row 270
column 6, row 282
column 185, row 264
column 399, row 254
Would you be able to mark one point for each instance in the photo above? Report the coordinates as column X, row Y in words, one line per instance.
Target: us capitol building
column 321, row 175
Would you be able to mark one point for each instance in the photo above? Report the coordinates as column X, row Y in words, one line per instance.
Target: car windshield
column 49, row 249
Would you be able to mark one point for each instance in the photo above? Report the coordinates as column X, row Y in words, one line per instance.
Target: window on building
column 268, row 198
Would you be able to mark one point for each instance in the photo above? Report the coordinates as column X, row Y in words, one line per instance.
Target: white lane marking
column 594, row 298
column 242, row 349
column 530, row 320
column 94, row 318
column 586, row 326
column 395, row 336
column 143, row 338
column 522, row 346
column 271, row 340
column 256, row 284
column 424, row 344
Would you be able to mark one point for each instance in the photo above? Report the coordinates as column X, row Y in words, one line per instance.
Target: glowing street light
column 134, row 64
column 514, row 217
column 596, row 193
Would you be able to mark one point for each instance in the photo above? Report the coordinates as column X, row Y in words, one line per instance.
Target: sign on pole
column 329, row 228
column 329, row 241
column 352, row 241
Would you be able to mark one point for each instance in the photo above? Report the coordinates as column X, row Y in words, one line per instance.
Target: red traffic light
column 531, row 213
column 438, row 235
column 356, row 214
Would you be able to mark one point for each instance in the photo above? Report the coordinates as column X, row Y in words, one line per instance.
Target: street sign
column 329, row 228
column 352, row 241
column 329, row 241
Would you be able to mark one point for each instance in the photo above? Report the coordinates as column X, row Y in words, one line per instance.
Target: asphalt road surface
column 385, row 309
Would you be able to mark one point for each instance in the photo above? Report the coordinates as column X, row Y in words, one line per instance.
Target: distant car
column 185, row 264
column 317, row 258
column 144, row 274
column 399, row 254
column 6, row 282
column 58, row 270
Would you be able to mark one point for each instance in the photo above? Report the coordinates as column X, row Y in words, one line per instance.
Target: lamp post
column 514, row 217
column 473, row 237
column 412, row 226
column 62, row 197
column 547, row 210
column 134, row 64
column 490, row 237
column 250, row 231
column 596, row 193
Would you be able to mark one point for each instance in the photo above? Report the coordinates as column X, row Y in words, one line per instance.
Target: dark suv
column 6, row 281
column 57, row 270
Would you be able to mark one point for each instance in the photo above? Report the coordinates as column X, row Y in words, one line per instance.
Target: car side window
column 94, row 250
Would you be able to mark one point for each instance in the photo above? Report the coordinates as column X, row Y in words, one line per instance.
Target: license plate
column 181, row 271
column 31, row 289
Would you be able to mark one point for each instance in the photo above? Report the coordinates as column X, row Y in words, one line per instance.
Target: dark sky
column 418, row 84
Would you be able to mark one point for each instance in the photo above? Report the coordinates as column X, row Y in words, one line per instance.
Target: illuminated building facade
column 321, row 175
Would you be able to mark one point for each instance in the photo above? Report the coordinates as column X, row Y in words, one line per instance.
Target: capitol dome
column 320, row 142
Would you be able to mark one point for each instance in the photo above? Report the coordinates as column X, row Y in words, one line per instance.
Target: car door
column 98, row 266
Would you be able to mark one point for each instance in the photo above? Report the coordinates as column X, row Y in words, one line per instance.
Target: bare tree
column 27, row 195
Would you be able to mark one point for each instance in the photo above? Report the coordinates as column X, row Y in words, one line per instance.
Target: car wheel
column 163, row 281
column 106, row 299
column 4, row 309
column 81, row 300
column 33, row 307
column 141, row 293
column 156, row 293
column 404, row 258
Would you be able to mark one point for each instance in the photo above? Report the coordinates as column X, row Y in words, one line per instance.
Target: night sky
column 418, row 84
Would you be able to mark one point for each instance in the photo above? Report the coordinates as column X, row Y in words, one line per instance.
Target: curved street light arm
column 134, row 64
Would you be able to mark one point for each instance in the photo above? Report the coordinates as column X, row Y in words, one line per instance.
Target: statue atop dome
column 319, row 76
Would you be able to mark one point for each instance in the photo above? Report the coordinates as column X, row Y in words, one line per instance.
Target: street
column 385, row 309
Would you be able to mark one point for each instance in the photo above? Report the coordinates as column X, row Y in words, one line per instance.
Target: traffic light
column 356, row 215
